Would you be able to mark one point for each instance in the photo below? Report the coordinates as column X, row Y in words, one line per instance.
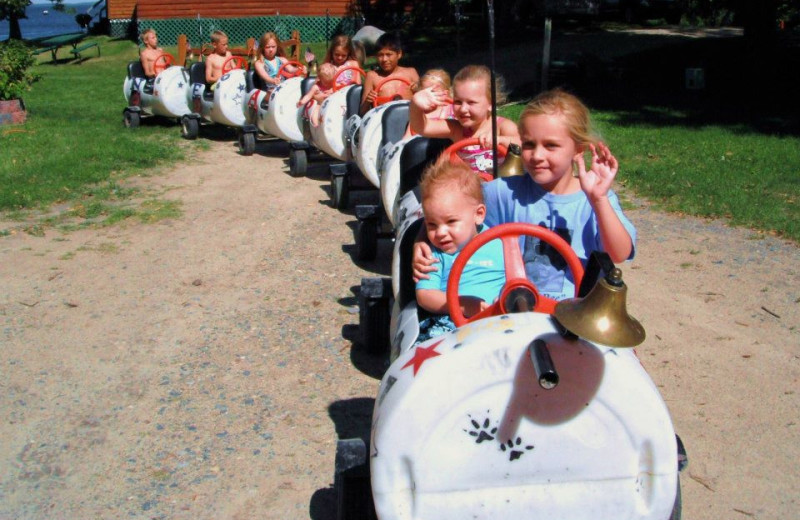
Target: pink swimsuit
column 479, row 159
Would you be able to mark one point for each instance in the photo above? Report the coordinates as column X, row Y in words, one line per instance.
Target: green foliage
column 16, row 77
column 9, row 8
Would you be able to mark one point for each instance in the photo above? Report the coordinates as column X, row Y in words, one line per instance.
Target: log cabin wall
column 317, row 20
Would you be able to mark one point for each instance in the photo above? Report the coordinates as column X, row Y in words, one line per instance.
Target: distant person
column 452, row 201
column 215, row 61
column 150, row 53
column 319, row 91
column 389, row 52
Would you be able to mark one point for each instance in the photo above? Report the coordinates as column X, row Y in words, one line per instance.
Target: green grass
column 714, row 171
column 73, row 148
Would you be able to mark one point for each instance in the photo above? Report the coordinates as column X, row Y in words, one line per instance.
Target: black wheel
column 190, row 127
column 131, row 119
column 374, row 314
column 352, row 481
column 247, row 143
column 367, row 239
column 298, row 162
column 340, row 191
column 676, row 509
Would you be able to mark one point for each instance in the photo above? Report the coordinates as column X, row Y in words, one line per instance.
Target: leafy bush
column 16, row 59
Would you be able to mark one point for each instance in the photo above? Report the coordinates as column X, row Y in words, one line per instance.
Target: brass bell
column 512, row 165
column 602, row 316
column 313, row 68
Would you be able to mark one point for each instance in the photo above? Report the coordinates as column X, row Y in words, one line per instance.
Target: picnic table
column 54, row 43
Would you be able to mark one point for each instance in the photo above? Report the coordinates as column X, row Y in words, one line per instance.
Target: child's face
column 270, row 49
column 151, row 40
column 388, row 59
column 221, row 46
column 339, row 56
column 548, row 151
column 451, row 218
column 471, row 105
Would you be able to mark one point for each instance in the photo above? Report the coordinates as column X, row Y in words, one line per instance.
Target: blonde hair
column 327, row 72
column 216, row 36
column 146, row 32
column 265, row 39
column 445, row 174
column 482, row 73
column 439, row 76
column 558, row 102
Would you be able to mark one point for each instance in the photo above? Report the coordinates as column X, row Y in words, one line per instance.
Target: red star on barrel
column 421, row 355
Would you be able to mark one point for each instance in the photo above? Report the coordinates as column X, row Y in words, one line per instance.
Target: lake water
column 39, row 25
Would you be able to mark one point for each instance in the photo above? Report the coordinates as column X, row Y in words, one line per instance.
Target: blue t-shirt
column 483, row 276
column 520, row 199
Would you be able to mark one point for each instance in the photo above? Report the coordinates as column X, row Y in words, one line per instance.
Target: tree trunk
column 14, row 32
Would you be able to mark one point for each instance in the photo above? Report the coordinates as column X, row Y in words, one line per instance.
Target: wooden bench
column 76, row 52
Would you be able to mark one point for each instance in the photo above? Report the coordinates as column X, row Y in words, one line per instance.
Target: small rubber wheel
column 352, row 481
column 374, row 318
column 367, row 240
column 189, row 127
column 340, row 191
column 131, row 119
column 247, row 143
column 298, row 163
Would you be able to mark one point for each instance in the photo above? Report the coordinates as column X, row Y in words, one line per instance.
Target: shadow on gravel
column 352, row 418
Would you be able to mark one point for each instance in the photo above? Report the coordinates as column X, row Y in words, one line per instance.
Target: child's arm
column 424, row 102
column 212, row 74
column 368, row 93
column 422, row 260
column 435, row 301
column 595, row 183
column 310, row 94
column 507, row 134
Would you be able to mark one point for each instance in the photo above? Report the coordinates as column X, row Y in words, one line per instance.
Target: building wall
column 166, row 9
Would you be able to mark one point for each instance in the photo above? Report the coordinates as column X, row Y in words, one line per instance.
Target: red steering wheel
column 337, row 86
column 452, row 152
column 162, row 61
column 234, row 62
column 380, row 100
column 300, row 71
column 517, row 284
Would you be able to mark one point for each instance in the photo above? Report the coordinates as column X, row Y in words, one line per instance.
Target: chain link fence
column 198, row 30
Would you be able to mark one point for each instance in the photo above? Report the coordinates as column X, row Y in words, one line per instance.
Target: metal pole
column 490, row 7
column 548, row 29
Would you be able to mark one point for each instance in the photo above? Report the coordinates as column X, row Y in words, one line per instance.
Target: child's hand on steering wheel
column 428, row 99
column 422, row 261
column 471, row 305
column 597, row 181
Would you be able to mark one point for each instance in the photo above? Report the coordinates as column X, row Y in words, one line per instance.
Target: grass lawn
column 74, row 150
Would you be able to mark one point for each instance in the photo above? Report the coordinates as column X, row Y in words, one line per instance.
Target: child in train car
column 216, row 60
column 472, row 111
column 320, row 90
column 272, row 58
column 150, row 53
column 343, row 54
column 389, row 53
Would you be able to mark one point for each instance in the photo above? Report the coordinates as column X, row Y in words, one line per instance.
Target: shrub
column 16, row 59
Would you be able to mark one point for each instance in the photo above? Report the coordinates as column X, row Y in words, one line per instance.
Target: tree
column 14, row 11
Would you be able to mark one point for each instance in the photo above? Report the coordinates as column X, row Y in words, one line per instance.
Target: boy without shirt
column 150, row 52
column 389, row 53
column 215, row 61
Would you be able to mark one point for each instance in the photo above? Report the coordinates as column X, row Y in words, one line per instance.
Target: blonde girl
column 472, row 110
column 555, row 129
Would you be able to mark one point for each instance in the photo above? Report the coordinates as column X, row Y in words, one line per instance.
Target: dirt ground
column 202, row 367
